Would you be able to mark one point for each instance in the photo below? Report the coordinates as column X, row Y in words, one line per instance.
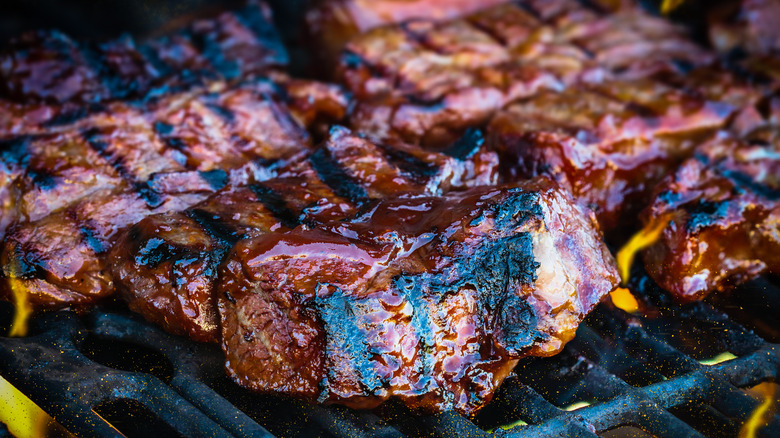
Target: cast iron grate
column 620, row 370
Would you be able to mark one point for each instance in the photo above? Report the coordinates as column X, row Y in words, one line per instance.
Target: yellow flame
column 669, row 6
column 644, row 238
column 623, row 299
column 22, row 306
column 20, row 414
column 759, row 417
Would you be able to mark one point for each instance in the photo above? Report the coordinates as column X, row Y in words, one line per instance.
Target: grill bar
column 629, row 369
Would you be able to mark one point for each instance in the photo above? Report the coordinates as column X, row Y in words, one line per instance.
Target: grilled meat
column 725, row 217
column 49, row 67
column 70, row 192
column 331, row 24
column 165, row 266
column 426, row 82
column 749, row 25
column 609, row 143
column 431, row 300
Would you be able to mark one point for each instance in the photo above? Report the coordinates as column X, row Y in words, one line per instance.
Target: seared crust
column 336, row 181
column 609, row 143
column 724, row 205
column 108, row 171
column 426, row 81
column 429, row 300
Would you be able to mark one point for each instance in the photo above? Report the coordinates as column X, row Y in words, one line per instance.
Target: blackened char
column 430, row 300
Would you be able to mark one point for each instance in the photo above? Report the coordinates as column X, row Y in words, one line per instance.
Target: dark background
column 98, row 19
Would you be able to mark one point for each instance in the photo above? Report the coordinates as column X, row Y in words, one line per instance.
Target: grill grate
column 644, row 372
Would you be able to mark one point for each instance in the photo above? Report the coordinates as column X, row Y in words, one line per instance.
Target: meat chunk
column 165, row 266
column 49, row 67
column 749, row 25
column 725, row 218
column 426, row 81
column 609, row 143
column 88, row 183
column 331, row 24
column 430, row 300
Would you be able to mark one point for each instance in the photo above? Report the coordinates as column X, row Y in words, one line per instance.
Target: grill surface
column 627, row 370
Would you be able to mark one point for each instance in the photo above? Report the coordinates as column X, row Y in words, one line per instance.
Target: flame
column 644, row 238
column 20, row 414
column 623, row 299
column 760, row 415
column 22, row 306
column 669, row 6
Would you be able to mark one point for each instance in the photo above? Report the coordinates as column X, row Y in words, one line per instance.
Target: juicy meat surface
column 165, row 266
column 609, row 143
column 426, row 81
column 430, row 300
column 67, row 194
column 725, row 217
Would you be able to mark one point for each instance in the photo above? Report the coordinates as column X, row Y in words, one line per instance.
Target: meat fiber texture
column 430, row 300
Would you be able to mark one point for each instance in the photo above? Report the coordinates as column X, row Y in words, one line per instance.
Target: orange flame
column 22, row 306
column 644, row 238
column 760, row 415
column 624, row 300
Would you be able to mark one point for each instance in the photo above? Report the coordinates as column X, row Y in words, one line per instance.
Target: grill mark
column 223, row 234
column 163, row 131
column 66, row 118
column 216, row 178
column 527, row 8
column 42, row 179
column 20, row 267
column 222, row 112
column 153, row 58
column 211, row 51
column 16, row 149
column 408, row 163
column 740, row 179
column 285, row 119
column 89, row 237
column 215, row 227
column 467, row 145
column 254, row 20
column 152, row 198
column 336, row 177
column 274, row 203
column 95, row 63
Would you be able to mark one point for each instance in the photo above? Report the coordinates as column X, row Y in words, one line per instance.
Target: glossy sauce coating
column 69, row 192
column 166, row 265
column 725, row 231
column 429, row 300
column 610, row 143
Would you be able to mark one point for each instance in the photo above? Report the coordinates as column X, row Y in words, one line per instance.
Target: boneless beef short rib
column 431, row 300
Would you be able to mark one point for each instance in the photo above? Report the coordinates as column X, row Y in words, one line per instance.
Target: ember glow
column 22, row 306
